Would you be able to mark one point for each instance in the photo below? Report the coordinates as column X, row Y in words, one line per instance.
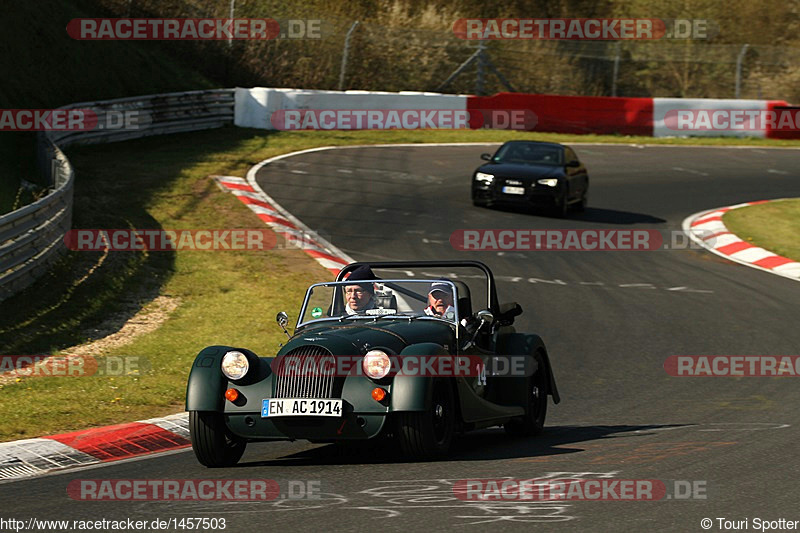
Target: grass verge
column 225, row 297
column 773, row 226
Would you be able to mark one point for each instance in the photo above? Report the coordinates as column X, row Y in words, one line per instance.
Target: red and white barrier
column 575, row 114
column 706, row 117
column 254, row 108
column 658, row 117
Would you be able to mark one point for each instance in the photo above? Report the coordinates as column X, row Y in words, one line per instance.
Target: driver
column 440, row 300
column 359, row 296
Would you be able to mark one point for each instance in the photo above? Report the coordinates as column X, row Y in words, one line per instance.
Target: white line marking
column 690, row 171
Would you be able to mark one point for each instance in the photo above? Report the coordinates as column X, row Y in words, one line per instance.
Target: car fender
column 414, row 393
column 206, row 386
column 523, row 344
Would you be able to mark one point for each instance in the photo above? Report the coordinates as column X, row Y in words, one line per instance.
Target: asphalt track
column 610, row 319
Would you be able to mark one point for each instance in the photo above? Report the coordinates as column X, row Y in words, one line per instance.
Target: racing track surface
column 609, row 320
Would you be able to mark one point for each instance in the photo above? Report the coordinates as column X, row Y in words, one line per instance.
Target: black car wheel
column 536, row 410
column 562, row 206
column 212, row 443
column 581, row 206
column 429, row 434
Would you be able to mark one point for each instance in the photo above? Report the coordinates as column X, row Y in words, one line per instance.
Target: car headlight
column 482, row 176
column 376, row 364
column 235, row 365
column 550, row 182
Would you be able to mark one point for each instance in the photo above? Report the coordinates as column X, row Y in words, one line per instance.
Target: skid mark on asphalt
column 217, row 507
column 394, row 498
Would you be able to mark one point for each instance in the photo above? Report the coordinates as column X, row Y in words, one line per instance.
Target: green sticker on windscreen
column 316, row 312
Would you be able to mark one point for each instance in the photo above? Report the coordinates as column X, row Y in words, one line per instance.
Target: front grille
column 296, row 376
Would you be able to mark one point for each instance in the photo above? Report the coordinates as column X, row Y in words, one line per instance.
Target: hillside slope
column 44, row 68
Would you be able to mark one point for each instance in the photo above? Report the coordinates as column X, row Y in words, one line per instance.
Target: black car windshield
column 529, row 154
column 367, row 299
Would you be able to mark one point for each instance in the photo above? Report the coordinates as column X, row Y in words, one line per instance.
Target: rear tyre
column 536, row 411
column 429, row 434
column 212, row 443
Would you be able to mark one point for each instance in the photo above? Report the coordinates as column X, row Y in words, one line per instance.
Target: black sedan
column 531, row 173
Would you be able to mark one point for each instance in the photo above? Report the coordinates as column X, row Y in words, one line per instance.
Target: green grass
column 226, row 297
column 773, row 226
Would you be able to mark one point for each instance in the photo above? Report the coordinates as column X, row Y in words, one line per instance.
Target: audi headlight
column 235, row 365
column 550, row 182
column 376, row 364
column 482, row 176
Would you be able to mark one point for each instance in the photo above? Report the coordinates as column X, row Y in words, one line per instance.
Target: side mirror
column 485, row 316
column 573, row 163
column 486, row 157
column 507, row 313
column 283, row 320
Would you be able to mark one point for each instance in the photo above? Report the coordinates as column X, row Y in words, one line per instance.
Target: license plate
column 513, row 190
column 300, row 407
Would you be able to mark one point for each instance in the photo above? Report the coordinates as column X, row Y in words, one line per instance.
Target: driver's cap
column 441, row 286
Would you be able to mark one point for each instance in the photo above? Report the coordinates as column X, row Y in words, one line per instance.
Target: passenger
column 440, row 300
column 360, row 296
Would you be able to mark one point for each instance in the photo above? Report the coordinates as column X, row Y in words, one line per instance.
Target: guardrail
column 32, row 237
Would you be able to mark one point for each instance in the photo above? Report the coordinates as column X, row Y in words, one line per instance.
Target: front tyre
column 583, row 203
column 562, row 206
column 212, row 443
column 480, row 203
column 536, row 411
column 429, row 434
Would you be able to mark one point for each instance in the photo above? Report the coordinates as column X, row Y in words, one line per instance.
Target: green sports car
column 402, row 355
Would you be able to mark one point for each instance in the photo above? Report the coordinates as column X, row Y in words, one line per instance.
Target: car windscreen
column 373, row 299
column 529, row 154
